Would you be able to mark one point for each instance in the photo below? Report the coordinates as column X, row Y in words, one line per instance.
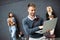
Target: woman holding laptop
column 49, row 16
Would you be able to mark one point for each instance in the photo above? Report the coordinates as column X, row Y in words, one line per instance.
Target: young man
column 32, row 23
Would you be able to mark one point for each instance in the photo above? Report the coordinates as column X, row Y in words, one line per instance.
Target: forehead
column 49, row 7
column 11, row 14
column 31, row 7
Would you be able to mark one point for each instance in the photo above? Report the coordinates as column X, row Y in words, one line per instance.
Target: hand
column 21, row 33
column 48, row 30
column 51, row 16
column 41, row 27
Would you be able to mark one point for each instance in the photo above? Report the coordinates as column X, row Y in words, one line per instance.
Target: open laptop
column 48, row 25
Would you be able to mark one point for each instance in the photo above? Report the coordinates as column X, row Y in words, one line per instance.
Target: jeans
column 12, row 30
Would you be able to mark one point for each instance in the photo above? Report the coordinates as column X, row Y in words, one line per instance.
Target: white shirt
column 49, row 15
column 31, row 18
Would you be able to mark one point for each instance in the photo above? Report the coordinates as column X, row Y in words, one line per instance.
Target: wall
column 20, row 10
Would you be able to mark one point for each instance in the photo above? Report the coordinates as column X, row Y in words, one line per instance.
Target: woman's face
column 49, row 9
column 11, row 15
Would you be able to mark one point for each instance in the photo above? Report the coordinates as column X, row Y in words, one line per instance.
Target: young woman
column 12, row 25
column 49, row 16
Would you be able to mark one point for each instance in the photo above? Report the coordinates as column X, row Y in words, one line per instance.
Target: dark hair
column 53, row 13
column 31, row 4
column 48, row 15
column 9, row 14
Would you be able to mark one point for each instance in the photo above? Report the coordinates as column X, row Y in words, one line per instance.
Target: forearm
column 30, row 30
column 33, row 30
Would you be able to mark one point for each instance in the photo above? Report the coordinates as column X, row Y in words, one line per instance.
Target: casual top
column 31, row 26
column 47, row 18
column 12, row 19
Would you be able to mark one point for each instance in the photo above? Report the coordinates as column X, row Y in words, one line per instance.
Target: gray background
column 19, row 8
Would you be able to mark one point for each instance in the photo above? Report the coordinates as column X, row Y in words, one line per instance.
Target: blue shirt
column 31, row 26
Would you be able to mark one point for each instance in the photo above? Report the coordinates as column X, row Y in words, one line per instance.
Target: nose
column 33, row 11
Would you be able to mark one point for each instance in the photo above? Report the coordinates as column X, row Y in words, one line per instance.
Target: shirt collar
column 31, row 18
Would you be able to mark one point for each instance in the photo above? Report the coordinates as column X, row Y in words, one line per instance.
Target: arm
column 8, row 21
column 12, row 21
column 27, row 29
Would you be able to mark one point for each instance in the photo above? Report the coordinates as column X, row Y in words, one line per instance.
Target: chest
column 33, row 23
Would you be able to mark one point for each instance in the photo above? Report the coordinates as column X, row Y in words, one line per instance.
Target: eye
column 32, row 10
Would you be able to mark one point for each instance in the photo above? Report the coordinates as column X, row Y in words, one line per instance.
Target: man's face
column 31, row 10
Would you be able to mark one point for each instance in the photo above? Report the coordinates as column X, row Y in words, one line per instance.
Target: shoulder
column 13, row 18
column 39, row 17
column 25, row 19
column 8, row 19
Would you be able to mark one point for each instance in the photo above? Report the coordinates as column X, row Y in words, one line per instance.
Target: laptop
column 48, row 25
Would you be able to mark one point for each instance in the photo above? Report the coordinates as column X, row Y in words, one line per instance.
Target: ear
column 28, row 10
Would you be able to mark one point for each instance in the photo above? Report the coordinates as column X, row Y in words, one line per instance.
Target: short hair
column 31, row 4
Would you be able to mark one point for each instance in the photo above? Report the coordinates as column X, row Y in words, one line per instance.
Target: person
column 49, row 16
column 32, row 23
column 12, row 25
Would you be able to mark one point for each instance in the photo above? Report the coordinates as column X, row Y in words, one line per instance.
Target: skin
column 10, row 21
column 50, row 10
column 11, row 14
column 32, row 11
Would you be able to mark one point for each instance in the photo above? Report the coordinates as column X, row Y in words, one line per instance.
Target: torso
column 11, row 22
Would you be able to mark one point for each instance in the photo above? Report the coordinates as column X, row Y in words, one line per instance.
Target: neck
column 49, row 13
column 32, row 16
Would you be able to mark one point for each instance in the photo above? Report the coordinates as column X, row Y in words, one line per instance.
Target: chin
column 33, row 14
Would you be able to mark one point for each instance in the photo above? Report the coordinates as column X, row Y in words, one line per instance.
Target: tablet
column 49, row 25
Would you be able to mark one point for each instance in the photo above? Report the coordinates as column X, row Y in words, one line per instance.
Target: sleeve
column 28, row 30
column 14, row 19
column 41, row 22
column 8, row 22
